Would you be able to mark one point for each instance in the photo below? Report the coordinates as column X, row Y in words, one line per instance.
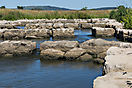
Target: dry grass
column 39, row 14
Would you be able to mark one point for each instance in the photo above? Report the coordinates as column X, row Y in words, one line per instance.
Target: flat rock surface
column 117, row 68
column 60, row 45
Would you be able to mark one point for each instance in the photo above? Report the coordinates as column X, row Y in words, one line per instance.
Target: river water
column 31, row 72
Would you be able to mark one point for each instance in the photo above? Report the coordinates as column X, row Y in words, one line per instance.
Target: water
column 20, row 27
column 30, row 72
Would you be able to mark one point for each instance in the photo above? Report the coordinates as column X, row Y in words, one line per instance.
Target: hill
column 43, row 8
column 105, row 8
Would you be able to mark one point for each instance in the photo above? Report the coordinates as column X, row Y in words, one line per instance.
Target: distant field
column 12, row 14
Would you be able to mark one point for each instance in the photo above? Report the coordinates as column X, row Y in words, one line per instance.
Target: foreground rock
column 16, row 48
column 117, row 68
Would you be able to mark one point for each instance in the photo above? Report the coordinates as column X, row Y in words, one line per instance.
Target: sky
column 72, row 4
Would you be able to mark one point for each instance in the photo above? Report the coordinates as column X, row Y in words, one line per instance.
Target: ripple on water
column 29, row 72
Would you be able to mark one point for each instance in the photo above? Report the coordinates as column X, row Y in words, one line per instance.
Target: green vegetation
column 2, row 7
column 10, row 14
column 123, row 15
column 84, row 8
column 19, row 7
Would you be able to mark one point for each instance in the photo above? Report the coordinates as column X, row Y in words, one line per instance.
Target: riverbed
column 31, row 72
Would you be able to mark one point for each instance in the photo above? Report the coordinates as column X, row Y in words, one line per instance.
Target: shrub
column 19, row 7
column 119, row 14
column 113, row 14
column 128, row 20
column 84, row 8
column 2, row 7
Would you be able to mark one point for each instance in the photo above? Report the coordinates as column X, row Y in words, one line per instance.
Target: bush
column 2, row 7
column 119, row 14
column 123, row 15
column 84, row 8
column 113, row 14
column 128, row 20
column 19, row 7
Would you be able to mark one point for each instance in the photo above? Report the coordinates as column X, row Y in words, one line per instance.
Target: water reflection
column 29, row 72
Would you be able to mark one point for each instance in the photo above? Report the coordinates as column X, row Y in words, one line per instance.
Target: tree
column 2, row 7
column 19, row 7
column 84, row 8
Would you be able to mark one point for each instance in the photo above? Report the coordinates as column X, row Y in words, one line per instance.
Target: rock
column 16, row 48
column 52, row 54
column 113, row 80
column 102, row 25
column 59, row 45
column 102, row 32
column 97, row 47
column 86, row 25
column 117, row 69
column 63, row 33
column 58, row 25
column 86, row 57
column 74, row 53
column 14, row 34
column 49, row 25
column 118, row 59
column 37, row 33
column 72, row 25
column 102, row 55
column 8, row 55
column 98, row 61
column 99, row 42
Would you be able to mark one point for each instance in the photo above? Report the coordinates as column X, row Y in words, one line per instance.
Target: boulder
column 59, row 45
column 98, row 61
column 52, row 54
column 58, row 25
column 102, row 32
column 14, row 34
column 72, row 25
column 86, row 57
column 49, row 25
column 86, row 25
column 117, row 69
column 74, row 53
column 37, row 33
column 118, row 59
column 16, row 48
column 102, row 25
column 114, row 80
column 63, row 33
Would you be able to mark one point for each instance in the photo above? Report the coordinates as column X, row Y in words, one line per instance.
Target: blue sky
column 73, row 4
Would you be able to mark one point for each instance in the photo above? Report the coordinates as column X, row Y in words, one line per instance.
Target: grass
column 12, row 14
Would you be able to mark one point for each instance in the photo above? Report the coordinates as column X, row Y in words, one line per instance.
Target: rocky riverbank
column 117, row 68
column 56, row 28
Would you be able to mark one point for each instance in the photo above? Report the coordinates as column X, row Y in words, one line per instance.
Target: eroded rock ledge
column 117, row 69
